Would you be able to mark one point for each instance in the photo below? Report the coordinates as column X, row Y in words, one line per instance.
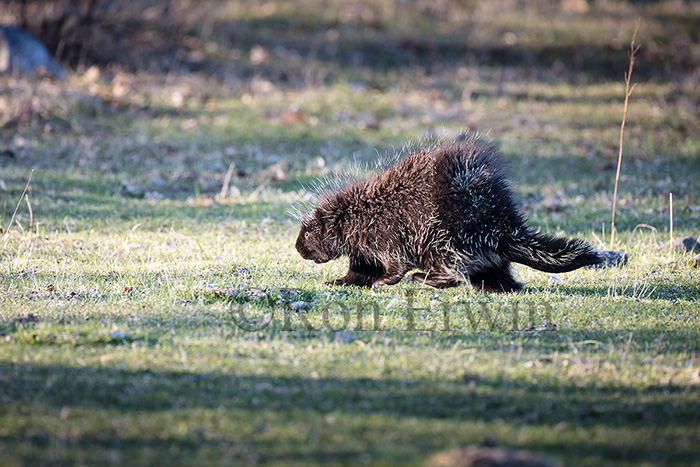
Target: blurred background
column 233, row 39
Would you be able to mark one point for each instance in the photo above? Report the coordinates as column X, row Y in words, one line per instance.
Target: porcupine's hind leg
column 434, row 280
column 491, row 278
column 440, row 272
column 393, row 273
column 438, row 275
column 494, row 279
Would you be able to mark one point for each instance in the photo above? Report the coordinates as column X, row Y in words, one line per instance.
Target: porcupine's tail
column 552, row 254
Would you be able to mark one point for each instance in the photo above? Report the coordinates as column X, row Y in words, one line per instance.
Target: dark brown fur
column 448, row 211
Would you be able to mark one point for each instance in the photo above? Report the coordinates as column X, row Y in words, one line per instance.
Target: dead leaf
column 91, row 75
column 189, row 124
column 277, row 172
column 121, row 84
column 291, row 116
column 258, row 54
column 575, row 7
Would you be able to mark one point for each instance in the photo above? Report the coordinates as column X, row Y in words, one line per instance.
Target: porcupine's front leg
column 360, row 273
column 353, row 278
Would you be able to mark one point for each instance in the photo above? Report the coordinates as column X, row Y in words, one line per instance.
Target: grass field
column 153, row 310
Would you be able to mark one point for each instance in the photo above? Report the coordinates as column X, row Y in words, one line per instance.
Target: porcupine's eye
column 306, row 235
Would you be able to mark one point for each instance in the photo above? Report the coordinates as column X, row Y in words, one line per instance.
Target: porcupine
column 448, row 211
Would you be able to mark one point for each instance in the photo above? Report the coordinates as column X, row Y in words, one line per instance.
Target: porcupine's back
column 475, row 204
column 456, row 194
column 473, row 199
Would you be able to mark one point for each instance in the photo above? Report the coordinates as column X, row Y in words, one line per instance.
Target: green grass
column 119, row 341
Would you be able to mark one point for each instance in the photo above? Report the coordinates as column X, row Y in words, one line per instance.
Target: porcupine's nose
column 303, row 252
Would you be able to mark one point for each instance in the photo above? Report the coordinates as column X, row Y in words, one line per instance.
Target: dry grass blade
column 628, row 93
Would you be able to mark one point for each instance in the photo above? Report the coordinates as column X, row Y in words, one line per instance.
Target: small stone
column 118, row 335
column 256, row 293
column 681, row 245
column 287, row 294
column 691, row 245
column 153, row 195
column 131, row 189
column 22, row 53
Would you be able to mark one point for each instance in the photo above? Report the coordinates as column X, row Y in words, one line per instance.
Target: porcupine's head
column 314, row 241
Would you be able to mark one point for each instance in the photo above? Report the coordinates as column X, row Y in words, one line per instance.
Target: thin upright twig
column 670, row 222
column 6, row 234
column 227, row 181
column 628, row 93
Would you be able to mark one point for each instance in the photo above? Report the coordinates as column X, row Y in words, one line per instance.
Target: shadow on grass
column 653, row 291
column 295, row 399
column 61, row 199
